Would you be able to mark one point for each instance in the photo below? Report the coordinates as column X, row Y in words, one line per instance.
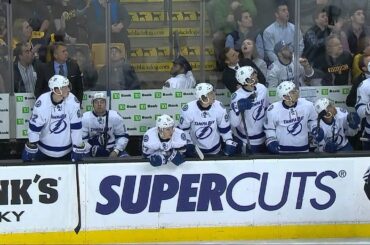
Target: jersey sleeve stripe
column 205, row 151
column 293, row 148
column 224, row 130
column 358, row 105
column 76, row 126
column 252, row 137
column 35, row 128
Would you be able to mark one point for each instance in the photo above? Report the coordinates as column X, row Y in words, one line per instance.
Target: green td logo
column 345, row 91
column 142, row 129
column 178, row 94
column 142, row 106
column 121, row 107
column 158, row 95
column 137, row 118
column 89, row 108
column 24, row 132
column 272, row 93
column 25, row 109
column 177, row 116
column 84, row 97
column 325, row 91
column 19, row 98
column 137, row 95
column 163, row 106
column 116, row 96
column 20, row 121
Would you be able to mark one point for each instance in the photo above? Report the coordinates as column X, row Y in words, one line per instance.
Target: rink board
column 197, row 201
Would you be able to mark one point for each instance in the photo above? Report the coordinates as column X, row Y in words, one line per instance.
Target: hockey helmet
column 165, row 121
column 202, row 89
column 243, row 74
column 321, row 104
column 98, row 95
column 58, row 81
column 284, row 88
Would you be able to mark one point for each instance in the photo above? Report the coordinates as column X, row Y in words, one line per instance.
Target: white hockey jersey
column 290, row 125
column 181, row 81
column 153, row 144
column 338, row 129
column 203, row 127
column 278, row 72
column 94, row 125
column 56, row 126
column 254, row 118
column 363, row 98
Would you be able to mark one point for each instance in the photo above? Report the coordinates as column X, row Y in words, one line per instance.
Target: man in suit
column 61, row 65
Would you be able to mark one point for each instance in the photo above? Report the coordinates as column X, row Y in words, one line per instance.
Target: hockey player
column 289, row 121
column 335, row 125
column 182, row 76
column 103, row 130
column 248, row 109
column 55, row 125
column 164, row 143
column 363, row 109
column 204, row 120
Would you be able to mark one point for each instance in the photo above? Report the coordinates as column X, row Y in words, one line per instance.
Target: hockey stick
column 78, row 227
column 199, row 152
column 319, row 117
column 364, row 139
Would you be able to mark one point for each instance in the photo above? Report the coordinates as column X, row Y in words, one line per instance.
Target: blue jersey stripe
column 293, row 148
column 224, row 130
column 76, row 126
column 35, row 128
column 54, row 148
column 212, row 149
column 252, row 137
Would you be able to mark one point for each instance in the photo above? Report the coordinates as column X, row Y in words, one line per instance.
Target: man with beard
column 182, row 77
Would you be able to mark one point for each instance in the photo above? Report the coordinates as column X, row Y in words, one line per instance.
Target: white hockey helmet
column 58, row 81
column 284, row 88
column 164, row 121
column 98, row 95
column 243, row 74
column 321, row 104
column 202, row 89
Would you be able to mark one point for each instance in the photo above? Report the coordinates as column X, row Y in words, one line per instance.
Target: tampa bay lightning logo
column 165, row 146
column 58, row 126
column 338, row 138
column 204, row 114
column 100, row 120
column 203, row 132
column 181, row 120
column 258, row 113
column 295, row 128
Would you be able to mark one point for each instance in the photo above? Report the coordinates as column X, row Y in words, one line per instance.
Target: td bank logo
column 84, row 97
column 163, row 105
column 325, row 91
column 25, row 109
column 137, row 118
column 24, row 132
column 89, row 108
column 178, row 94
column 158, row 95
column 345, row 91
column 137, row 95
column 143, row 129
column 121, row 107
column 19, row 98
column 177, row 116
column 20, row 121
column 116, row 96
column 142, row 107
column 272, row 93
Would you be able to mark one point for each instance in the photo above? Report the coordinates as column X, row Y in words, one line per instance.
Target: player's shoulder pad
column 185, row 107
column 270, row 107
column 38, row 103
column 233, row 96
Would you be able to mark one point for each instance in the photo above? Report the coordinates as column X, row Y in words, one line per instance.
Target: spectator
column 103, row 130
column 27, row 69
column 283, row 69
column 280, row 30
column 122, row 74
column 314, row 38
column 89, row 72
column 249, row 52
column 61, row 65
column 336, row 63
column 120, row 21
column 356, row 68
column 244, row 23
column 182, row 77
column 22, row 32
column 356, row 31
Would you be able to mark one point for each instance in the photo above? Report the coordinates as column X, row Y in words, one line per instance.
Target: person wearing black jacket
column 61, row 65
column 231, row 59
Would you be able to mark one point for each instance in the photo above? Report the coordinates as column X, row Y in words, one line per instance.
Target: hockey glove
column 29, row 152
column 99, row 151
column 157, row 160
column 230, row 147
column 273, row 147
column 353, row 120
column 77, row 153
column 176, row 158
column 97, row 140
column 245, row 104
column 331, row 147
column 190, row 151
column 318, row 134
